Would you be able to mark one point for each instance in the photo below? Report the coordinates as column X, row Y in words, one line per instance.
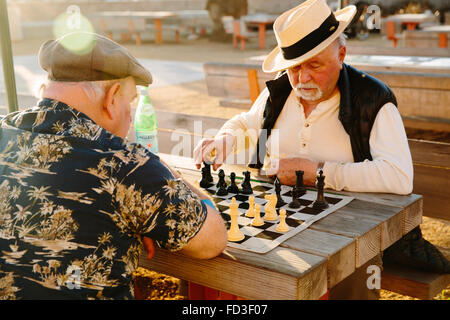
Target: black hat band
column 312, row 40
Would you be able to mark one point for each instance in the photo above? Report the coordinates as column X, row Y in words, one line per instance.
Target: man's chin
column 308, row 97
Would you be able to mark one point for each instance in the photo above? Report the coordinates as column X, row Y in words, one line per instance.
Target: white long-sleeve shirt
column 321, row 137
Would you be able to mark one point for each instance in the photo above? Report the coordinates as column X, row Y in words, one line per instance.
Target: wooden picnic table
column 262, row 21
column 411, row 20
column 307, row 265
column 156, row 16
column 443, row 34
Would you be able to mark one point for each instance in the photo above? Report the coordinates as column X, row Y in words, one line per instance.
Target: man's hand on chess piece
column 285, row 169
column 214, row 151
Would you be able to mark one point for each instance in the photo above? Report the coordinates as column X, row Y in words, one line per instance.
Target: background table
column 262, row 21
column 157, row 17
column 306, row 265
column 411, row 20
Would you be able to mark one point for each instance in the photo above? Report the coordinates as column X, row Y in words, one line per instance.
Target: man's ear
column 110, row 99
column 341, row 54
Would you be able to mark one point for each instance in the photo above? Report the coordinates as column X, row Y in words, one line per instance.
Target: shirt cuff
column 208, row 202
column 329, row 170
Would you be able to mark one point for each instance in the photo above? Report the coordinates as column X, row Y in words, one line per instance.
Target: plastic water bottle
column 145, row 123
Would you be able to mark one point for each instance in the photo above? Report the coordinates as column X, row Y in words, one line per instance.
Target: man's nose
column 304, row 76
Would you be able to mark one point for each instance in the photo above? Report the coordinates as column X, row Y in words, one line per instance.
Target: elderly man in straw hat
column 322, row 114
column 76, row 198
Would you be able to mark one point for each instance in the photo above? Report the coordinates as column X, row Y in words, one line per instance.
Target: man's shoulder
column 364, row 80
column 365, row 88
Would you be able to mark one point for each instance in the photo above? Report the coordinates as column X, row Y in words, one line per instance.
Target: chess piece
column 282, row 226
column 294, row 204
column 257, row 220
column 205, row 182
column 320, row 202
column 251, row 207
column 246, row 186
column 269, row 208
column 280, row 201
column 234, row 234
column 221, row 176
column 299, row 186
column 233, row 188
column 208, row 175
column 222, row 185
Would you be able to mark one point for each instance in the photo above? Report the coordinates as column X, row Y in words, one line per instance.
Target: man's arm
column 390, row 171
column 237, row 134
column 211, row 240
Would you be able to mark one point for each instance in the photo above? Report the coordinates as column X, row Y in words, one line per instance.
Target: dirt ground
column 193, row 98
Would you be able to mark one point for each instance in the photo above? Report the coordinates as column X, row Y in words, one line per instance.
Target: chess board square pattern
column 265, row 238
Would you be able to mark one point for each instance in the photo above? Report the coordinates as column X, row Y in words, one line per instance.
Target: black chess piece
column 280, row 201
column 233, row 188
column 294, row 204
column 221, row 185
column 299, row 186
column 205, row 183
column 320, row 202
column 246, row 185
column 208, row 172
column 221, row 180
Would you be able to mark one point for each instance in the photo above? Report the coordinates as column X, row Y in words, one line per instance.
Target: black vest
column 362, row 96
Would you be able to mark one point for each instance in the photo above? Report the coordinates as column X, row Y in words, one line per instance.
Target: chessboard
column 265, row 237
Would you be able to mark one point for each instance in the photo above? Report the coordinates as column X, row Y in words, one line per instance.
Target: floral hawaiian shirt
column 74, row 203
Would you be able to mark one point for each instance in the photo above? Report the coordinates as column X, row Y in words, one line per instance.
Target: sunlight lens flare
column 73, row 21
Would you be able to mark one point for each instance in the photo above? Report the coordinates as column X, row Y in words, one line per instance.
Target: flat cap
column 84, row 56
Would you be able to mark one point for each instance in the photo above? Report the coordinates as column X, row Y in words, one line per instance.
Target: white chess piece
column 234, row 234
column 257, row 220
column 269, row 208
column 251, row 207
column 282, row 226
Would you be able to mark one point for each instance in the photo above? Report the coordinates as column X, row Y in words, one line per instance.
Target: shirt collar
column 57, row 118
column 331, row 102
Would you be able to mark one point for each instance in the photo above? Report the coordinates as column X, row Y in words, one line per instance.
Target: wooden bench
column 239, row 31
column 432, row 180
column 418, row 94
column 426, row 39
column 240, row 86
column 413, row 283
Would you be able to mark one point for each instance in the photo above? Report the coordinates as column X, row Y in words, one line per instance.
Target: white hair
column 342, row 40
column 94, row 90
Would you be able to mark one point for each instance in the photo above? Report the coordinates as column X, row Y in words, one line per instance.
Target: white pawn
column 234, row 234
column 257, row 221
column 251, row 207
column 282, row 226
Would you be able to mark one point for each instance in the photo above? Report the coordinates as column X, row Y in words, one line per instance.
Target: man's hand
column 149, row 247
column 285, row 169
column 221, row 145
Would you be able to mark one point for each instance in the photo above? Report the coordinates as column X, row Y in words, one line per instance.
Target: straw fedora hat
column 304, row 31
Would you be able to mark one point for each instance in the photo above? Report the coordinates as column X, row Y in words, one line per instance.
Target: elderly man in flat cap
column 322, row 114
column 77, row 199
